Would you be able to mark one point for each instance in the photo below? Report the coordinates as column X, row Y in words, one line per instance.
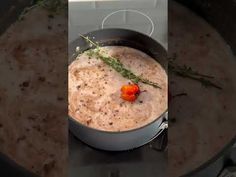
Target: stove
column 88, row 15
column 149, row 160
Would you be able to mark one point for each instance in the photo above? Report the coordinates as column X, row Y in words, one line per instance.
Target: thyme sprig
column 188, row 72
column 116, row 64
column 53, row 6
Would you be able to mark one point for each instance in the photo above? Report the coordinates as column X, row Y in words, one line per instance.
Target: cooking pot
column 124, row 140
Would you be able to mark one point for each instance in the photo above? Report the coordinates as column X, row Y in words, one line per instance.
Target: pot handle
column 162, row 140
column 130, row 10
column 162, row 127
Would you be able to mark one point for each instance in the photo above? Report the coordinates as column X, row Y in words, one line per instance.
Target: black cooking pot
column 124, row 140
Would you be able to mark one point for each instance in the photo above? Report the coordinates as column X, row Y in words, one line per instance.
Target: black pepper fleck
column 42, row 79
column 60, row 98
column 21, row 138
column 31, row 117
column 25, row 84
column 49, row 166
column 173, row 120
column 50, row 16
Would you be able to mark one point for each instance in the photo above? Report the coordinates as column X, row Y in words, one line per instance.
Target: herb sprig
column 53, row 6
column 188, row 72
column 116, row 64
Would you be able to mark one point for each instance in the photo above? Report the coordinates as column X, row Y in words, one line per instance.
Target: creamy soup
column 95, row 89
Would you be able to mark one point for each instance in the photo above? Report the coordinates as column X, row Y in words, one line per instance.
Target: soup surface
column 95, row 89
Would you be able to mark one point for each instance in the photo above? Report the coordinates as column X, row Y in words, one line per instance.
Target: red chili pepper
column 130, row 92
